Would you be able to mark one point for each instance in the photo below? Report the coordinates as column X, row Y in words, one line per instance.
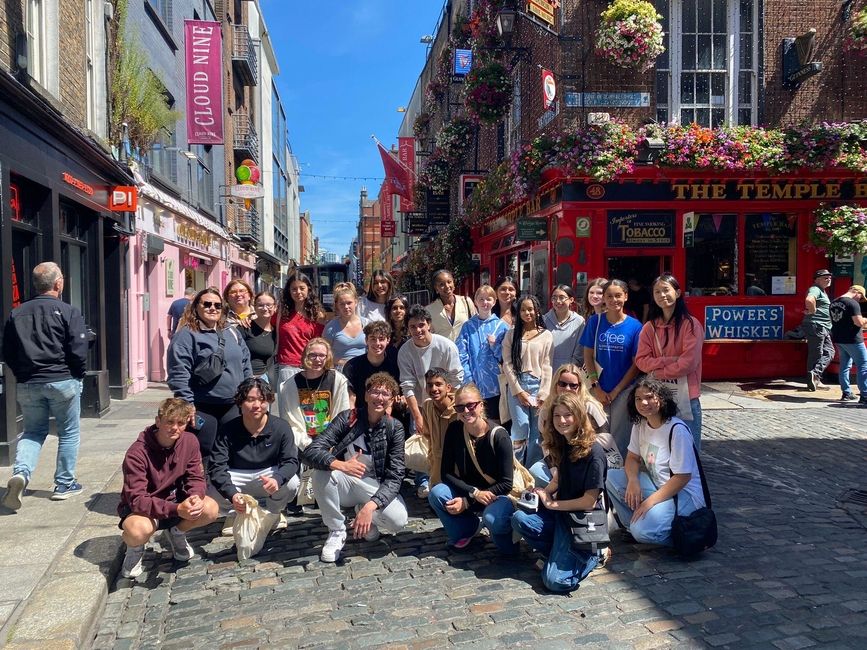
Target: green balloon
column 243, row 173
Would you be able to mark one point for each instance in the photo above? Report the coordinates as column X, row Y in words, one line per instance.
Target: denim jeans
column 525, row 421
column 695, row 424
column 61, row 399
column 496, row 518
column 618, row 420
column 547, row 533
column 857, row 353
column 655, row 526
column 541, row 473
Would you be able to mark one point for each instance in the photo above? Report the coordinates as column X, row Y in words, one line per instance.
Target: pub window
column 770, row 253
column 711, row 261
column 708, row 72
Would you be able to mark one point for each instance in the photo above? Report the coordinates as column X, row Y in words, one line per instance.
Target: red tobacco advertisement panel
column 406, row 153
column 203, row 46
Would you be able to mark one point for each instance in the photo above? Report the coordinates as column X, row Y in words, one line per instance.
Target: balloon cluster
column 248, row 174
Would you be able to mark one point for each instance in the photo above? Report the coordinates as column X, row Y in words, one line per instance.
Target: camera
column 529, row 501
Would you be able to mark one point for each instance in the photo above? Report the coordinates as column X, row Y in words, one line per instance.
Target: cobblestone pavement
column 789, row 570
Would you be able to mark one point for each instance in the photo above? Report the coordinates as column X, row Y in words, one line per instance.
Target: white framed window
column 37, row 56
column 709, row 70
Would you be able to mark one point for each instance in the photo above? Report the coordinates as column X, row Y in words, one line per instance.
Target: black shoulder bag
column 589, row 528
column 209, row 369
column 691, row 534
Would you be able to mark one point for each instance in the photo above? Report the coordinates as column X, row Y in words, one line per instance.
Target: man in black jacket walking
column 359, row 461
column 45, row 346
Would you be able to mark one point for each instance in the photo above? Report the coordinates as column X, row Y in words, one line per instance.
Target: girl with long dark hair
column 527, row 366
column 610, row 343
column 300, row 320
column 373, row 305
column 565, row 326
column 507, row 291
column 397, row 309
column 670, row 344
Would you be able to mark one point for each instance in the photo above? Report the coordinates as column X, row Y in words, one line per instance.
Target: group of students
column 493, row 385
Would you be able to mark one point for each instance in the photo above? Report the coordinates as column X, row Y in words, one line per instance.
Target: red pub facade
column 739, row 243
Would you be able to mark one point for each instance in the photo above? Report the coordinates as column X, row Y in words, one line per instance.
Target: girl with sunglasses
column 567, row 379
column 202, row 332
column 577, row 485
column 477, row 470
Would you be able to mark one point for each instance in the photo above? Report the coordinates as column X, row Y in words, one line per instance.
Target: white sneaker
column 423, row 490
column 177, row 541
column 132, row 562
column 333, row 545
column 228, row 525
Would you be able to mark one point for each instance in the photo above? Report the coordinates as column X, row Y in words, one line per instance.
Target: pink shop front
column 175, row 247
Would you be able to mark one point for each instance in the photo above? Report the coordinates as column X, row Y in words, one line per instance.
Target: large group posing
column 510, row 417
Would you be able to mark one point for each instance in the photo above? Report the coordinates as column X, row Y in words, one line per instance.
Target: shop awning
column 181, row 208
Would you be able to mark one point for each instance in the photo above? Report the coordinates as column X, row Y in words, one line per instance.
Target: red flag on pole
column 395, row 174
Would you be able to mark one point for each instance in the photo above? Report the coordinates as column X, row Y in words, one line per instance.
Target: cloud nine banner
column 203, row 46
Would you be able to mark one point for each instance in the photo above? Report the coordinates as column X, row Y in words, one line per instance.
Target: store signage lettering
column 640, row 229
column 123, row 198
column 721, row 191
column 77, row 183
column 531, row 207
column 762, row 322
column 613, row 99
column 544, row 9
column 15, row 202
column 204, row 64
column 194, row 234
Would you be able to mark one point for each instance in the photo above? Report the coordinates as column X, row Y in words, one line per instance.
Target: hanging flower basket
column 421, row 125
column 630, row 34
column 454, row 139
column 841, row 230
column 488, row 92
column 436, row 174
column 856, row 39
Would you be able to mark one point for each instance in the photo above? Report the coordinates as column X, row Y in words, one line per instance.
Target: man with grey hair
column 45, row 346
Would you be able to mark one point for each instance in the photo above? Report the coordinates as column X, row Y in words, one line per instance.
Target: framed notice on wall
column 170, row 278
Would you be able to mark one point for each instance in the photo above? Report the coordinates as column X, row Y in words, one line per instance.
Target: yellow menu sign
column 544, row 9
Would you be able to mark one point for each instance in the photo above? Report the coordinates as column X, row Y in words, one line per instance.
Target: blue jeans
column 695, row 424
column 655, row 526
column 525, row 421
column 541, row 473
column 496, row 518
column 547, row 533
column 61, row 399
column 857, row 353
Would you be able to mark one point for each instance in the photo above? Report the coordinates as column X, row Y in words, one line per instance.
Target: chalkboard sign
column 640, row 229
column 768, row 245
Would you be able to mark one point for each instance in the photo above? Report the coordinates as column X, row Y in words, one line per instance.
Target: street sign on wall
column 438, row 208
column 387, row 228
column 532, row 230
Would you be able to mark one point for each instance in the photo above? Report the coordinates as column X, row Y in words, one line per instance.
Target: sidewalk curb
column 64, row 608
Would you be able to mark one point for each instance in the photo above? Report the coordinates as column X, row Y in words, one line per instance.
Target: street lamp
column 506, row 23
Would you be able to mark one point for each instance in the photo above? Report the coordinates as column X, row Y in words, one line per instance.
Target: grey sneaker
column 847, row 397
column 132, row 562
column 177, row 541
column 14, row 490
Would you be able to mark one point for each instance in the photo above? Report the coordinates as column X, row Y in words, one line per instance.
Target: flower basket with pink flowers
column 841, row 230
column 630, row 34
column 856, row 39
column 488, row 92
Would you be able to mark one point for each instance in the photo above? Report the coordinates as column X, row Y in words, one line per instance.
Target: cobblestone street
column 789, row 570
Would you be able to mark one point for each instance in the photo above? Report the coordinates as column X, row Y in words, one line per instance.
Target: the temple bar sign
column 754, row 322
column 640, row 229
column 774, row 190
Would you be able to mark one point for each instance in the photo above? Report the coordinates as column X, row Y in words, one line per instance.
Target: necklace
column 561, row 323
column 307, row 382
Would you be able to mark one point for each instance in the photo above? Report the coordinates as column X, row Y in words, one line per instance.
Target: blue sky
column 345, row 67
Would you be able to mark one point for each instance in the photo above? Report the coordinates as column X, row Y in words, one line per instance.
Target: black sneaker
column 847, row 397
column 63, row 492
column 863, row 400
column 811, row 381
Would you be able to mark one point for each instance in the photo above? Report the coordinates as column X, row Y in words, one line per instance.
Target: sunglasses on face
column 207, row 304
column 568, row 384
column 468, row 406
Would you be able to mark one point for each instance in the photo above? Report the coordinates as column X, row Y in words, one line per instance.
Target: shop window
column 711, row 261
column 770, row 254
column 708, row 72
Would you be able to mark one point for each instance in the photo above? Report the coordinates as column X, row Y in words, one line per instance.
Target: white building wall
column 267, row 70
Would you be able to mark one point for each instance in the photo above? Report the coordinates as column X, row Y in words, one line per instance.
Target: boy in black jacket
column 359, row 461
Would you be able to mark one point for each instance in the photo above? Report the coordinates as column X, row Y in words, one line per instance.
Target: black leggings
column 209, row 417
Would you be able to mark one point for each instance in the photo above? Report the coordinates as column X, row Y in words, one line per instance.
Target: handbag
column 588, row 529
column 696, row 532
column 416, row 451
column 521, row 479
column 679, row 385
column 209, row 369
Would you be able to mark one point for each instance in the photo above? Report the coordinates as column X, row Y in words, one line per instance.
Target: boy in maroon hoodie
column 163, row 487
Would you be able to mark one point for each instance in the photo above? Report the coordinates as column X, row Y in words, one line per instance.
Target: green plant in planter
column 488, row 92
column 841, row 230
column 454, row 139
column 421, row 125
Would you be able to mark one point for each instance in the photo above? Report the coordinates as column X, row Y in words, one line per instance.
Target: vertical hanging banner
column 203, row 46
column 549, row 88
column 406, row 154
column 387, row 226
